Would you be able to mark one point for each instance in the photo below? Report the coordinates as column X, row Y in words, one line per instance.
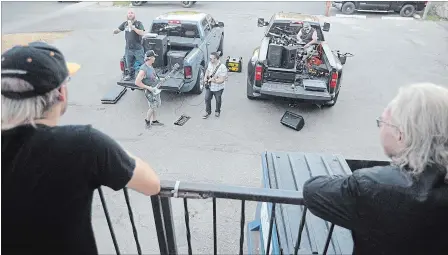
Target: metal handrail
column 162, row 210
column 206, row 190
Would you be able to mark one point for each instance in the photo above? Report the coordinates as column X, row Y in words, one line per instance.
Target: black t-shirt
column 49, row 175
column 133, row 40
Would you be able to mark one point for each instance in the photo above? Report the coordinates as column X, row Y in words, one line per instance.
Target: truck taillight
column 187, row 72
column 258, row 73
column 122, row 65
column 334, row 80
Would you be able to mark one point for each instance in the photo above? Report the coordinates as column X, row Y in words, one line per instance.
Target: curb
column 382, row 17
column 396, row 18
column 351, row 16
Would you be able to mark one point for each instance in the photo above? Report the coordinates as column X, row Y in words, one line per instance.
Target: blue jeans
column 134, row 59
column 208, row 100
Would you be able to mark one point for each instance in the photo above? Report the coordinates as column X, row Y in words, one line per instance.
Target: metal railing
column 163, row 214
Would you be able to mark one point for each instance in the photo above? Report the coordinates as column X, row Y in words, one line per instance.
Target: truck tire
column 407, row 10
column 187, row 4
column 348, row 8
column 250, row 91
column 333, row 102
column 136, row 3
column 221, row 46
column 199, row 86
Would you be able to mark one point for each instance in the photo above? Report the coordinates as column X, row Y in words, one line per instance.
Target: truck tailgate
column 173, row 83
column 297, row 92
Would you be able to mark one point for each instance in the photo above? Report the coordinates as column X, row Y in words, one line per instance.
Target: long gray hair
column 421, row 112
column 24, row 111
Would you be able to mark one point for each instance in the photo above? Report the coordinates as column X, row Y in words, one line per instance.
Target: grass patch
column 121, row 3
column 433, row 18
column 10, row 40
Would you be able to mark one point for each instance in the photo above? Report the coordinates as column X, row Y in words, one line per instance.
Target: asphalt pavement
column 388, row 54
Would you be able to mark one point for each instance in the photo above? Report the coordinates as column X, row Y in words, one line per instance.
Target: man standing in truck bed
column 134, row 52
column 307, row 35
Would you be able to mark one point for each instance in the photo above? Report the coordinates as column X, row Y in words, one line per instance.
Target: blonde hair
column 421, row 112
column 24, row 111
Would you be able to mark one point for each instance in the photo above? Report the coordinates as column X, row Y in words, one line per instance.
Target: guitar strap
column 216, row 69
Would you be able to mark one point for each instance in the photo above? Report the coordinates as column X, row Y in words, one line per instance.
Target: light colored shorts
column 153, row 101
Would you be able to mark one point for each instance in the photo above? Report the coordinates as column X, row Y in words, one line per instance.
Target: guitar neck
column 166, row 78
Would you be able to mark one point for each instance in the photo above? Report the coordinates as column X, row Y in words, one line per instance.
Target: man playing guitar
column 215, row 78
column 147, row 79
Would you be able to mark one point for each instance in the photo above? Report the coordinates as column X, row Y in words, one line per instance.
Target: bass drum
column 187, row 4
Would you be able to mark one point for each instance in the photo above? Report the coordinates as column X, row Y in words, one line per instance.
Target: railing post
column 159, row 223
column 169, row 225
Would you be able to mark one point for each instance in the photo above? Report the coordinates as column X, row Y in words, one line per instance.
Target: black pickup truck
column 280, row 67
column 405, row 8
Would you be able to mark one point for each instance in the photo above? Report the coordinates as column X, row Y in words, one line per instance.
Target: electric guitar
column 156, row 88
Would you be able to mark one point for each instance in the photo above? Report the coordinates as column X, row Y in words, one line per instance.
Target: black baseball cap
column 150, row 53
column 38, row 63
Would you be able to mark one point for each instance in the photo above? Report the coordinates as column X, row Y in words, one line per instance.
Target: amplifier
column 275, row 53
column 159, row 45
column 289, row 56
column 176, row 57
column 293, row 120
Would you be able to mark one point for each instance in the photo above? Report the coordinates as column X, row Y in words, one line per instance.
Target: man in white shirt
column 215, row 79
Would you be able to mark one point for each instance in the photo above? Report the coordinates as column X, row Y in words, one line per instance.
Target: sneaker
column 157, row 123
column 217, row 114
column 206, row 116
column 147, row 124
column 127, row 78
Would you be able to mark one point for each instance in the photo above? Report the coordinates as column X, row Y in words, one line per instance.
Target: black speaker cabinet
column 289, row 56
column 159, row 45
column 275, row 53
column 293, row 120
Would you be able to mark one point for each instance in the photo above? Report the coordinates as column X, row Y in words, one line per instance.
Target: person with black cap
column 49, row 172
column 148, row 79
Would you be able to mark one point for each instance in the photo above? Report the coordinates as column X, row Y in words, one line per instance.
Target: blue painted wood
column 290, row 170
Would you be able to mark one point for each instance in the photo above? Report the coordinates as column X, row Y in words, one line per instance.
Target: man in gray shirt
column 147, row 79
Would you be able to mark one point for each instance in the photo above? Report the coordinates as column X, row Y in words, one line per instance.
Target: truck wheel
column 348, row 8
column 187, row 4
column 199, row 86
column 250, row 92
column 221, row 46
column 333, row 102
column 407, row 10
column 136, row 3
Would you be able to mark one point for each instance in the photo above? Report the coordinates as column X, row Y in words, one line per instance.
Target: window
column 182, row 30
